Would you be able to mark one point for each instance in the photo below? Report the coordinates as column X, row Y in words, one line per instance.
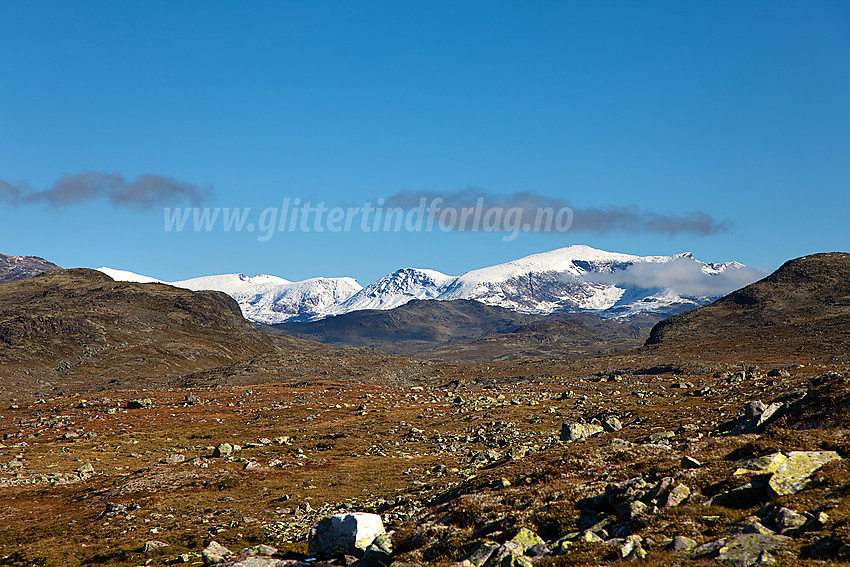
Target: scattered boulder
column 690, row 463
column 379, row 553
column 215, row 553
column 344, row 534
column 792, row 475
column 787, row 520
column 632, row 548
column 676, row 496
column 574, row 431
column 480, row 554
column 140, row 403
column 153, row 545
column 681, row 543
column 526, row 539
column 612, row 424
column 258, row 550
column 757, row 416
column 749, row 549
column 85, row 470
column 223, row 450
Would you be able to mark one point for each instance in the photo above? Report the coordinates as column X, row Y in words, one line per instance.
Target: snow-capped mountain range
column 572, row 279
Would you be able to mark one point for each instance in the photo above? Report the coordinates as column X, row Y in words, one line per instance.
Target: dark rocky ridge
column 21, row 267
column 467, row 330
column 804, row 306
column 71, row 325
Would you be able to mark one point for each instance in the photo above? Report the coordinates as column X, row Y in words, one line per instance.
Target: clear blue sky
column 739, row 110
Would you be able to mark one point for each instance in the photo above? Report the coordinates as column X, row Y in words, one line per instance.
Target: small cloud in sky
column 143, row 192
column 629, row 219
column 684, row 274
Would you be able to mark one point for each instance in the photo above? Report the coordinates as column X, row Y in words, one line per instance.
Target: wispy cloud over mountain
column 143, row 192
column 682, row 274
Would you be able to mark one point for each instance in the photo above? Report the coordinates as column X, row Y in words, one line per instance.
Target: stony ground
column 561, row 469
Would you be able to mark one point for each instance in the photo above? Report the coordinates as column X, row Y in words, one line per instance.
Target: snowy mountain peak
column 573, row 278
column 396, row 289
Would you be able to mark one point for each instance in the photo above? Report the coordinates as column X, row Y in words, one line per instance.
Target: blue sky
column 735, row 110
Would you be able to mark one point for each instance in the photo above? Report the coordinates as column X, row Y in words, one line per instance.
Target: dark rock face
column 21, row 267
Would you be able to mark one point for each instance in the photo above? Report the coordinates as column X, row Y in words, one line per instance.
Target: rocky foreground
column 742, row 468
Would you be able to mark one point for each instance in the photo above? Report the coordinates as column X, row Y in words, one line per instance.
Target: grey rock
column 574, row 431
column 787, row 519
column 677, row 495
column 379, row 553
column 481, row 553
column 175, row 459
column 682, row 543
column 756, row 528
column 223, row 450
column 748, row 549
column 344, row 534
column 257, row 562
column 258, row 550
column 215, row 553
column 756, row 417
column 140, row 403
column 153, row 545
column 84, row 470
column 612, row 424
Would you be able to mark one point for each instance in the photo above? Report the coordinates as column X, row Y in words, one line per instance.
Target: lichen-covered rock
column 632, row 548
column 344, row 534
column 480, row 554
column 761, row 465
column 379, row 553
column 215, row 553
column 792, row 476
column 612, row 424
column 747, row 549
column 787, row 519
column 223, row 450
column 526, row 539
column 509, row 555
column 676, row 496
column 682, row 543
column 574, row 431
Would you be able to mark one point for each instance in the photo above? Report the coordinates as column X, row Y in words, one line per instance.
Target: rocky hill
column 71, row 325
column 21, row 267
column 467, row 330
column 803, row 307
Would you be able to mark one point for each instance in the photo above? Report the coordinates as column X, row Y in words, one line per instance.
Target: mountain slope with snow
column 572, row 279
column 263, row 298
column 396, row 289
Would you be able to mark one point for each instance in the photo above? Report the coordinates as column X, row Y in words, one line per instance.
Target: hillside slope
column 802, row 307
column 75, row 325
column 465, row 330
column 14, row 268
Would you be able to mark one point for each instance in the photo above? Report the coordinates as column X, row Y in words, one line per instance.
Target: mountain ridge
column 13, row 268
column 576, row 278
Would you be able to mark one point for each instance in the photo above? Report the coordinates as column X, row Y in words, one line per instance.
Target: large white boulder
column 344, row 534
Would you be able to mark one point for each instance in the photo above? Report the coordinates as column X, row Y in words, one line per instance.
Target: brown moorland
column 454, row 456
